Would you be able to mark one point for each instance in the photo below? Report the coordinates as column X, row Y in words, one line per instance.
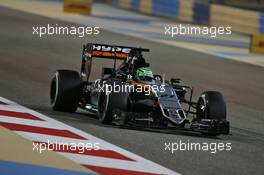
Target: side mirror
column 175, row 80
column 158, row 77
column 107, row 71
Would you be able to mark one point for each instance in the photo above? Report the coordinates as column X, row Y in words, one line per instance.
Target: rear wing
column 109, row 51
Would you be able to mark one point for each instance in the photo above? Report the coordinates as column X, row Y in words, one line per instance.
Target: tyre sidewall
column 112, row 101
column 67, row 90
column 211, row 105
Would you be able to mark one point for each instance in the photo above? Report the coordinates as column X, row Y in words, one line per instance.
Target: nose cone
column 171, row 106
column 175, row 115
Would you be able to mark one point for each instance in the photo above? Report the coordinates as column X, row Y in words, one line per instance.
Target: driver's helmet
column 144, row 74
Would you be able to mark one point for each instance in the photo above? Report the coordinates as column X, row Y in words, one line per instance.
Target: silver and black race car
column 132, row 95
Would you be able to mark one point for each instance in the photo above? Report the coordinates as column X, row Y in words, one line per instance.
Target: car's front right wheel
column 110, row 102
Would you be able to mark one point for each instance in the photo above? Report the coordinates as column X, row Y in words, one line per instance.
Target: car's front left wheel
column 211, row 105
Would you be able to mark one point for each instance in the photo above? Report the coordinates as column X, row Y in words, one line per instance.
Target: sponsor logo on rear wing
column 108, row 51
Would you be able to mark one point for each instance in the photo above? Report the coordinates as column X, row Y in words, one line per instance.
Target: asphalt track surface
column 28, row 62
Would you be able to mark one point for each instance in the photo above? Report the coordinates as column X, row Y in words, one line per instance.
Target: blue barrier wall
column 201, row 13
column 135, row 4
column 244, row 21
column 262, row 22
column 166, row 8
column 115, row 2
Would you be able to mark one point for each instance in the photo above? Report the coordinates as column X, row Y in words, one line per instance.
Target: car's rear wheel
column 65, row 90
column 110, row 102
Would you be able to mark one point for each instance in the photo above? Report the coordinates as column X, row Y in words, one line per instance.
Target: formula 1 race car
column 131, row 95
